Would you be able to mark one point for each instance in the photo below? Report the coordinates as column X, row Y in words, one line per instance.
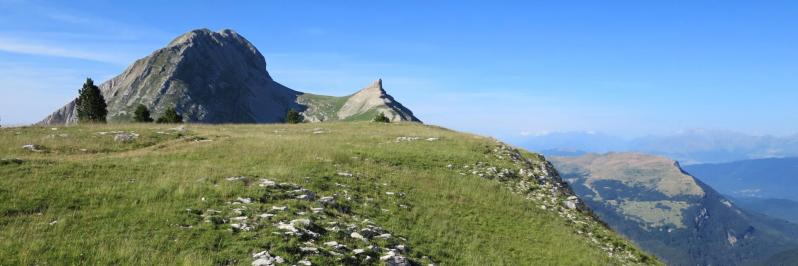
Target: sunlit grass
column 90, row 200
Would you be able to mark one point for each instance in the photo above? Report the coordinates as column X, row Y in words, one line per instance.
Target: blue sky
column 625, row 68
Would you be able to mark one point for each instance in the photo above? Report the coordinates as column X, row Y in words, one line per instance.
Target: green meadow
column 169, row 197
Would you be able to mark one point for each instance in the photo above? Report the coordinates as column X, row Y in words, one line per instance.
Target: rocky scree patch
column 298, row 226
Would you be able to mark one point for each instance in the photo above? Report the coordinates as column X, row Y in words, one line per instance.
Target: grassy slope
column 322, row 105
column 120, row 203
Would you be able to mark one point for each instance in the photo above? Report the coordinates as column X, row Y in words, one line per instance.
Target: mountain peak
column 190, row 36
column 374, row 97
column 206, row 35
column 220, row 77
column 374, row 88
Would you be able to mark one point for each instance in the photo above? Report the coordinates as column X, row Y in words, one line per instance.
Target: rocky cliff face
column 363, row 105
column 213, row 77
column 374, row 97
column 669, row 213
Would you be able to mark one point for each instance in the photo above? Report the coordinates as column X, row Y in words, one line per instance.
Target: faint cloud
column 76, row 20
column 71, row 34
column 535, row 134
column 313, row 31
column 32, row 48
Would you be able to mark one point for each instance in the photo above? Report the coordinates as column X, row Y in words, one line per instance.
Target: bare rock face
column 64, row 115
column 374, row 97
column 209, row 77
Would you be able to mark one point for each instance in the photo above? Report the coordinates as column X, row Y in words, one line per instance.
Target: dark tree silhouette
column 293, row 117
column 170, row 116
column 381, row 118
column 142, row 114
column 90, row 104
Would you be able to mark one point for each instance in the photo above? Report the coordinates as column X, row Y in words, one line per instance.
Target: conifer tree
column 90, row 104
column 170, row 116
column 142, row 114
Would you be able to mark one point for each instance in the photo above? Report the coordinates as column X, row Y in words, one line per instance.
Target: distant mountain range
column 688, row 147
column 764, row 185
column 220, row 77
column 777, row 208
column 761, row 178
column 673, row 215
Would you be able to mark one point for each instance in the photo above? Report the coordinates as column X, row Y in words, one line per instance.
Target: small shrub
column 381, row 118
column 293, row 117
column 142, row 114
column 170, row 116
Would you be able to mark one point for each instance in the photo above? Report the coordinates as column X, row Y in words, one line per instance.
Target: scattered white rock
column 432, row 139
column 125, row 137
column 347, row 174
column 263, row 258
column 305, row 197
column 397, row 261
column 305, row 262
column 241, row 226
column 244, row 200
column 570, row 204
column 239, row 211
column 309, row 249
column 54, row 222
column 179, row 129
column 266, row 183
column 234, row 178
column 358, row 251
column 287, row 227
column 279, row 208
column 33, row 147
column 266, row 215
column 327, row 200
column 263, row 262
column 357, row 235
column 401, row 139
column 303, row 222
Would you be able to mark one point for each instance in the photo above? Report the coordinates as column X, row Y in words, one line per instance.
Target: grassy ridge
column 321, row 106
column 88, row 199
